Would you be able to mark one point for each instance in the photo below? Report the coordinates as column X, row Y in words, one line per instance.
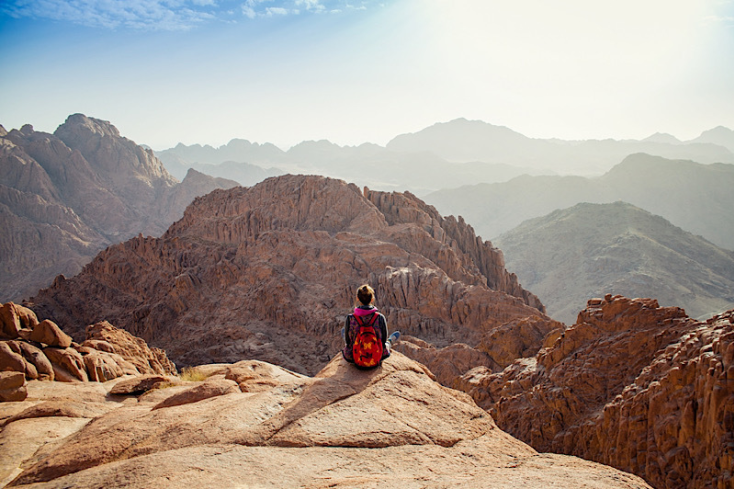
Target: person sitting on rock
column 365, row 332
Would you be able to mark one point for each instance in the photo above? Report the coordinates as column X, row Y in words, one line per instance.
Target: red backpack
column 367, row 349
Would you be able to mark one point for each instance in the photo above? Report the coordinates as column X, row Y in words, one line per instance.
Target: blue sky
column 207, row 71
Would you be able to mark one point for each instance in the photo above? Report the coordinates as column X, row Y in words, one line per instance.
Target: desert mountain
column 65, row 196
column 640, row 387
column 590, row 250
column 462, row 140
column 270, row 272
column 690, row 195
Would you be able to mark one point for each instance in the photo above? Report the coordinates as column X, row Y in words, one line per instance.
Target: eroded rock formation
column 65, row 196
column 270, row 272
column 41, row 350
column 252, row 424
column 633, row 385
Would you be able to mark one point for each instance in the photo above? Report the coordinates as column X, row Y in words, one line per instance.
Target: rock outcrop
column 639, row 387
column 273, row 428
column 65, row 196
column 41, row 350
column 270, row 272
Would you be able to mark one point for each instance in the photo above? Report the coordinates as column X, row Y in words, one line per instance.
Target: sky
column 356, row 71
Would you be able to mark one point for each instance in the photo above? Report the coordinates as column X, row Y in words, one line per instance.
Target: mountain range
column 66, row 196
column 693, row 196
column 589, row 250
column 445, row 155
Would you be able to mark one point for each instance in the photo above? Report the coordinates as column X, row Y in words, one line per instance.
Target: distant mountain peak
column 663, row 137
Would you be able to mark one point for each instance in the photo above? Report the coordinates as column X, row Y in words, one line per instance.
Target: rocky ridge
column 633, row 385
column 269, row 272
column 254, row 424
column 65, row 196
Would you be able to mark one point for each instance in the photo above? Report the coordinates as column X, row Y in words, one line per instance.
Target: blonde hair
column 366, row 295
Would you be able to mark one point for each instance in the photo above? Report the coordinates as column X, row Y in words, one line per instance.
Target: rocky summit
column 270, row 272
column 633, row 385
column 66, row 196
column 252, row 424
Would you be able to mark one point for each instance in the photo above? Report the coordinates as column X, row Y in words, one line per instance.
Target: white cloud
column 138, row 14
column 166, row 14
column 270, row 11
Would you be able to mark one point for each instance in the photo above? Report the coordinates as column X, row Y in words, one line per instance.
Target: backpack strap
column 361, row 322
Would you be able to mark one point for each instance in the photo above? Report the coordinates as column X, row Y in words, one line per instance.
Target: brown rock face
column 103, row 336
column 343, row 428
column 270, row 272
column 108, row 353
column 12, row 387
column 67, row 195
column 49, row 333
column 633, row 385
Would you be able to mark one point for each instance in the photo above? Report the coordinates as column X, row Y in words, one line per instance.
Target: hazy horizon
column 285, row 71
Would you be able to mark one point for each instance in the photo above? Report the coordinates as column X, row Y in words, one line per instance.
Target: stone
column 105, row 337
column 10, row 360
column 138, row 385
column 68, row 364
column 9, row 321
column 48, row 333
column 102, row 366
column 12, row 387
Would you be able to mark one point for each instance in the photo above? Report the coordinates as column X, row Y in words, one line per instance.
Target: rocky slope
column 639, row 387
column 65, row 196
column 690, row 195
column 270, row 272
column 252, row 424
column 590, row 250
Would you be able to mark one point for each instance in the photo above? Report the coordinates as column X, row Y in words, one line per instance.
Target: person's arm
column 347, row 340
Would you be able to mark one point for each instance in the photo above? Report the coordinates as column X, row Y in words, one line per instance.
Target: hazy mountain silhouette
column 695, row 197
column 719, row 135
column 590, row 250
column 462, row 140
column 367, row 164
column 444, row 155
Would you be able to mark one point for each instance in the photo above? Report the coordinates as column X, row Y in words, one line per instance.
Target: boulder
column 68, row 364
column 138, row 385
column 10, row 360
column 12, row 387
column 9, row 321
column 102, row 366
column 48, row 333
column 104, row 336
column 35, row 356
